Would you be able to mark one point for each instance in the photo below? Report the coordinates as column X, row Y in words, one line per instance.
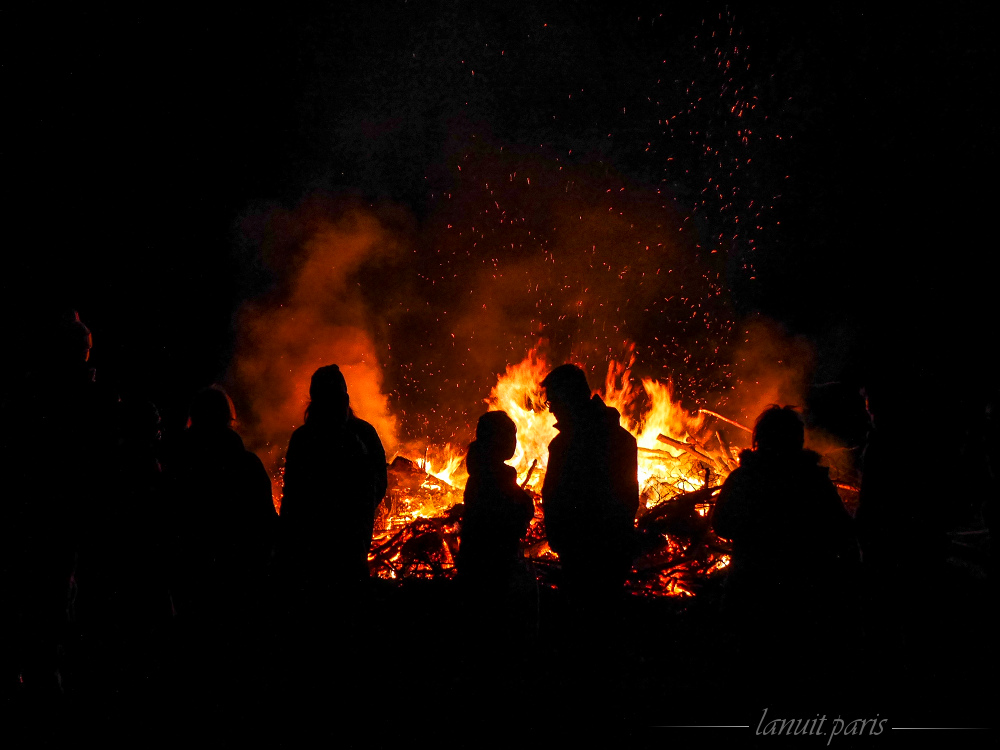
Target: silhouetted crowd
column 143, row 568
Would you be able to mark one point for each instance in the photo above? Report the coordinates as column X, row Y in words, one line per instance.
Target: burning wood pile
column 413, row 540
column 683, row 460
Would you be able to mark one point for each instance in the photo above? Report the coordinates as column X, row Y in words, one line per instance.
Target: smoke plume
column 314, row 316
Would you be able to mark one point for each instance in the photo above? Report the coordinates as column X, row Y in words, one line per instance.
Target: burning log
column 654, row 453
column 685, row 447
column 688, row 448
column 686, row 515
column 416, row 494
column 679, row 546
column 678, row 576
column 424, row 543
column 726, row 419
column 727, row 450
column 531, row 471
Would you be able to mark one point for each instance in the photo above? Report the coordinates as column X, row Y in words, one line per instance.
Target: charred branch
column 531, row 471
column 726, row 419
column 705, row 459
column 727, row 450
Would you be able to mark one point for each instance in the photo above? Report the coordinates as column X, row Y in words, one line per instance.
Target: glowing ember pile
column 683, row 457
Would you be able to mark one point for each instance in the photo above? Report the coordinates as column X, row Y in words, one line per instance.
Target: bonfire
column 683, row 459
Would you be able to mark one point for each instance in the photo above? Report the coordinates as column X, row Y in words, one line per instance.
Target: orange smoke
column 319, row 320
column 771, row 367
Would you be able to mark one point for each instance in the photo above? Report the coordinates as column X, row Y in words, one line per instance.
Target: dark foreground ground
column 414, row 665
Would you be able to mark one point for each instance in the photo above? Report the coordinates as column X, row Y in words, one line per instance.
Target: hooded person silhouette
column 226, row 521
column 335, row 479
column 794, row 562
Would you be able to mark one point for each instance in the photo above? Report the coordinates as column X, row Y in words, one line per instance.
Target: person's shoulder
column 757, row 465
column 233, row 440
column 810, row 462
column 602, row 413
column 364, row 429
column 624, row 436
column 251, row 458
column 300, row 434
column 558, row 442
column 737, row 474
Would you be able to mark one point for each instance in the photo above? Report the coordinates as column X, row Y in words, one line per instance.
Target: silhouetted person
column 227, row 522
column 899, row 528
column 500, row 596
column 497, row 511
column 788, row 593
column 591, row 490
column 590, row 496
column 124, row 603
column 335, row 478
column 897, row 523
column 59, row 441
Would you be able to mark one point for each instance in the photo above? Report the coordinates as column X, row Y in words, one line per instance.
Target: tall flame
column 646, row 413
column 519, row 393
column 673, row 451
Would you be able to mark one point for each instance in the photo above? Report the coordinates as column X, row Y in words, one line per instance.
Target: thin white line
column 701, row 726
column 939, row 727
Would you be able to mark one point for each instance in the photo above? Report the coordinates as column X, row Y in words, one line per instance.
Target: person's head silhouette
column 566, row 392
column 212, row 409
column 496, row 436
column 329, row 401
column 778, row 431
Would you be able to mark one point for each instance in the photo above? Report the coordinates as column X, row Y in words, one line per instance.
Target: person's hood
column 609, row 414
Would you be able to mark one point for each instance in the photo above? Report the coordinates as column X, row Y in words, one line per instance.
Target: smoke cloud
column 315, row 316
column 423, row 316
column 770, row 367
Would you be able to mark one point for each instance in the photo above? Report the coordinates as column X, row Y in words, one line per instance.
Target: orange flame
column 646, row 413
column 519, row 393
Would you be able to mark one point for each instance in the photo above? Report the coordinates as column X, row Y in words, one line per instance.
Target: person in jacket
column 58, row 425
column 335, row 479
column 497, row 511
column 224, row 517
column 590, row 494
column 789, row 601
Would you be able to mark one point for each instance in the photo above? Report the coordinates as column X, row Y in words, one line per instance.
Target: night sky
column 144, row 145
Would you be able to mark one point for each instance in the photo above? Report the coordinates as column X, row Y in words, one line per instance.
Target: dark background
column 136, row 141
